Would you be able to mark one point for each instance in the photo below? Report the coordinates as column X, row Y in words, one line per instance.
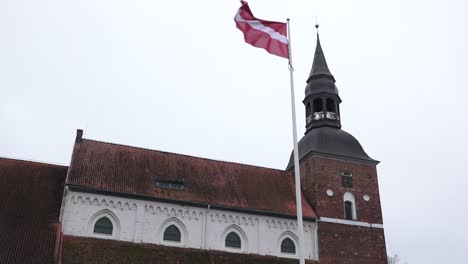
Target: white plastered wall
column 142, row 221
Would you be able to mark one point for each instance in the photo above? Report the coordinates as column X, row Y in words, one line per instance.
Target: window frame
column 242, row 235
column 293, row 237
column 169, row 183
column 108, row 221
column 236, row 235
column 179, row 233
column 348, row 198
column 109, row 215
column 285, row 239
column 177, row 223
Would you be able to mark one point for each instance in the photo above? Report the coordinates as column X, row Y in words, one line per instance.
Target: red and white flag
column 260, row 33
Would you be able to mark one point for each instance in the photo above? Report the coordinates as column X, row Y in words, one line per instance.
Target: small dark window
column 348, row 206
column 103, row 226
column 170, row 183
column 172, row 233
column 308, row 109
column 318, row 107
column 233, row 240
column 330, row 105
column 347, row 179
column 287, row 246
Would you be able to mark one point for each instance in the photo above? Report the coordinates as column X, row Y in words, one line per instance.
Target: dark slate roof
column 320, row 78
column 129, row 170
column 89, row 250
column 30, row 198
column 319, row 65
column 330, row 141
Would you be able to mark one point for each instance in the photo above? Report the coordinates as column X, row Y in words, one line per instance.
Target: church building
column 121, row 204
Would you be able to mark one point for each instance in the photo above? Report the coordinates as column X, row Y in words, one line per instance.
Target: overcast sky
column 177, row 76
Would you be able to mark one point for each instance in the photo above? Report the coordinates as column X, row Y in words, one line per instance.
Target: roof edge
column 185, row 155
column 34, row 161
column 371, row 161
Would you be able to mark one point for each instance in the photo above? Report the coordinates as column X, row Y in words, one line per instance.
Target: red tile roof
column 89, row 250
column 130, row 170
column 30, row 198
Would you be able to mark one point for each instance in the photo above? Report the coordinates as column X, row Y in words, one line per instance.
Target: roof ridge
column 186, row 155
column 34, row 161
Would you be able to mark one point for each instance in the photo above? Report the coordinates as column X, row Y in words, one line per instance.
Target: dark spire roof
column 320, row 79
column 319, row 66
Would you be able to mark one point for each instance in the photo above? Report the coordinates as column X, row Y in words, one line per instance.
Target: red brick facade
column 343, row 243
column 320, row 174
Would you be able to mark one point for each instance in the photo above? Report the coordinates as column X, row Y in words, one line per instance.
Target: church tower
column 338, row 178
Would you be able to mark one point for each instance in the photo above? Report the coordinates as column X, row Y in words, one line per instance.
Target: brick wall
column 322, row 174
column 346, row 244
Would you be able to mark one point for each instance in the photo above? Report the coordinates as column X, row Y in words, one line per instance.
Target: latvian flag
column 260, row 33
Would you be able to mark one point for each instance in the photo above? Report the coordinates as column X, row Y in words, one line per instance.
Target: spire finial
column 316, row 23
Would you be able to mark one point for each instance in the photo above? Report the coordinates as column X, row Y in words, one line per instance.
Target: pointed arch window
column 233, row 240
column 172, row 233
column 287, row 246
column 103, row 226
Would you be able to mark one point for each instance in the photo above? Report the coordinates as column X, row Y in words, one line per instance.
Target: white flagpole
column 300, row 225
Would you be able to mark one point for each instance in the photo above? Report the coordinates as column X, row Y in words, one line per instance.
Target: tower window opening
column 348, row 210
column 331, row 105
column 347, row 179
column 318, row 107
column 349, row 206
column 308, row 109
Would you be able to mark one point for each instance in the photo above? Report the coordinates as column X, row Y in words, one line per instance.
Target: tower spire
column 319, row 66
column 321, row 95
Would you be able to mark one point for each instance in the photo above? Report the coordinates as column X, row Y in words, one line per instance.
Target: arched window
column 103, row 226
column 349, row 206
column 172, row 233
column 287, row 246
column 233, row 240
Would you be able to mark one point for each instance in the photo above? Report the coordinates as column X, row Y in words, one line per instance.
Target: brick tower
column 338, row 178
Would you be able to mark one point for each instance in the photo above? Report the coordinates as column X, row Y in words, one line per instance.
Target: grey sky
column 177, row 76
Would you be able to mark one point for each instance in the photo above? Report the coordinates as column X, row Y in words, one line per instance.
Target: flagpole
column 297, row 176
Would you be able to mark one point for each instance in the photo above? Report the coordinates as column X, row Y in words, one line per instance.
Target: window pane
column 287, row 246
column 233, row 240
column 348, row 210
column 172, row 233
column 103, row 226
